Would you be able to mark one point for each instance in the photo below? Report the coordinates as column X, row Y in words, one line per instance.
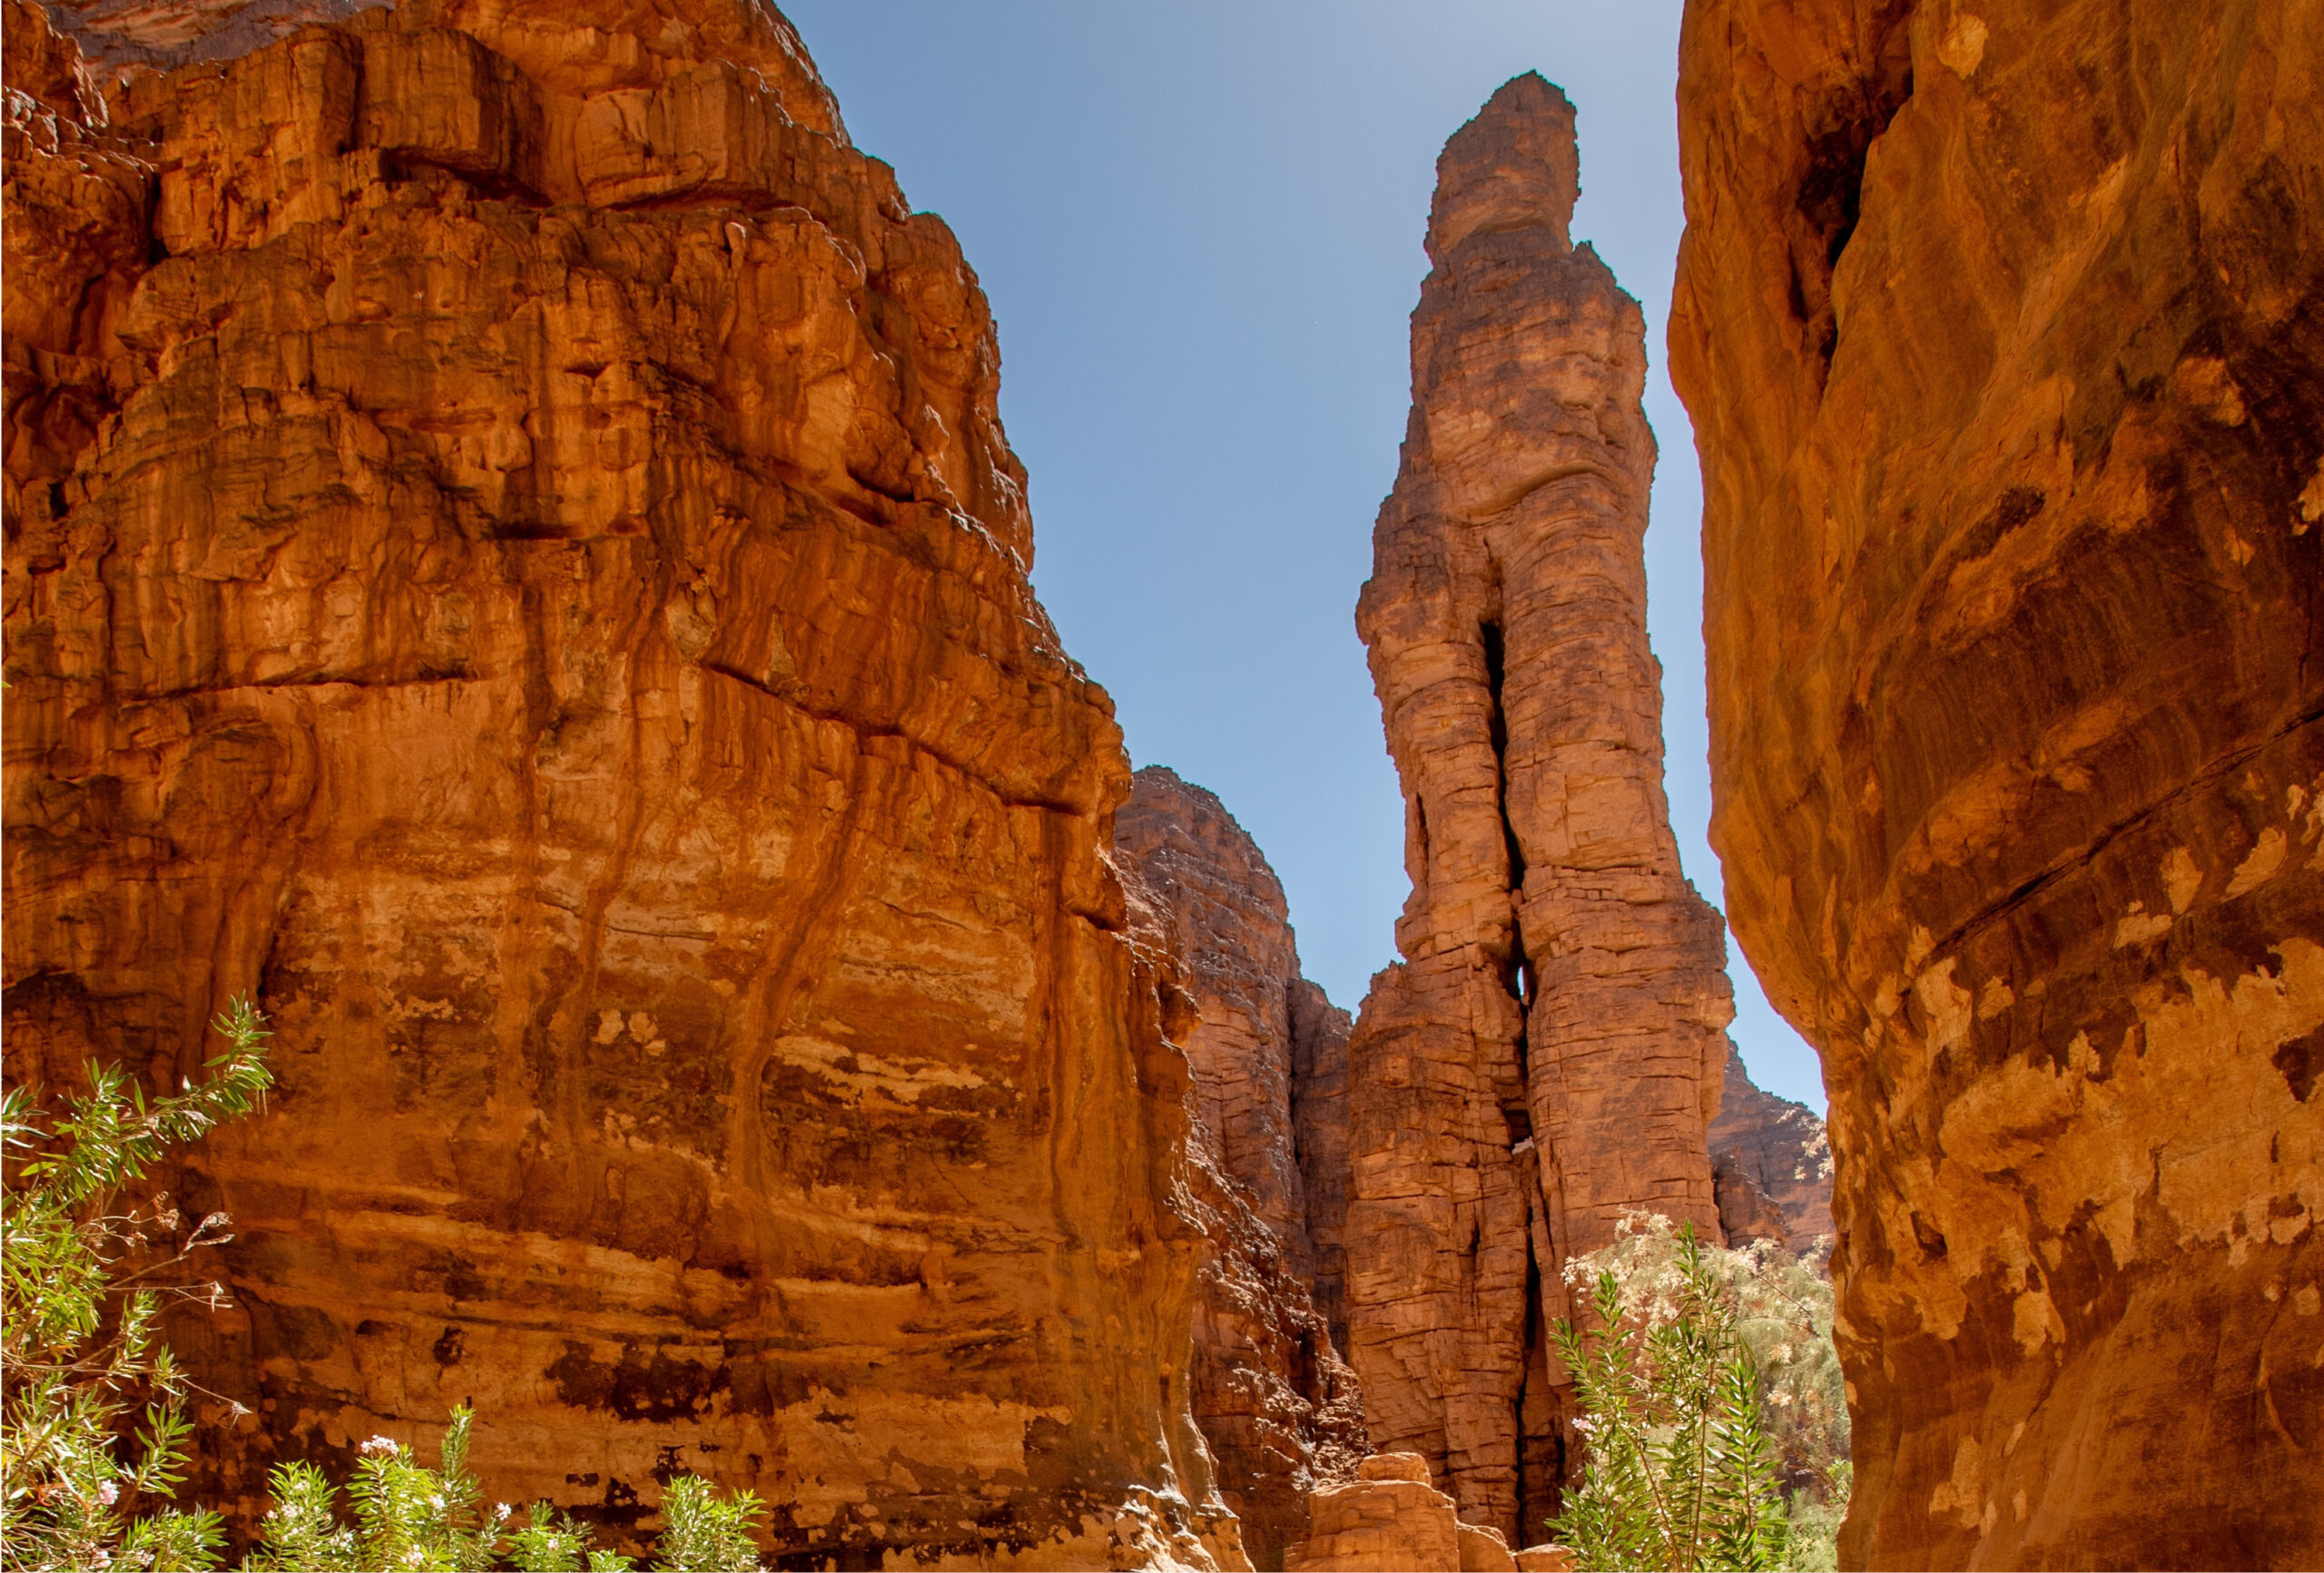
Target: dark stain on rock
column 641, row 1387
column 2297, row 1058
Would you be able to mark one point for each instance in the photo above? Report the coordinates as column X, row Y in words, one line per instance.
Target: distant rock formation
column 1770, row 1148
column 1272, row 1392
column 1549, row 1052
column 2002, row 328
column 513, row 561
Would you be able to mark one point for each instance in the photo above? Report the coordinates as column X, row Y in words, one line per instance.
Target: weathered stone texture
column 1388, row 1518
column 1776, row 1150
column 513, row 561
column 2002, row 326
column 1549, row 1051
column 122, row 37
column 1271, row 1392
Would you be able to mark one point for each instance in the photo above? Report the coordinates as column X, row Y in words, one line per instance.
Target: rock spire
column 1549, row 1051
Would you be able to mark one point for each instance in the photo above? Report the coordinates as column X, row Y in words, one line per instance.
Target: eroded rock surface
column 1271, row 1392
column 1389, row 1517
column 2002, row 328
column 1549, row 1051
column 512, row 560
column 1776, row 1150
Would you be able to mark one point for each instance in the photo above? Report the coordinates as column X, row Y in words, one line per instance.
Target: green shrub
column 79, row 1346
column 78, row 1334
column 1714, row 1424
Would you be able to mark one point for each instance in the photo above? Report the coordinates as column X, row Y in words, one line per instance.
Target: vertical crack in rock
column 2009, row 587
column 512, row 559
column 1272, row 1392
column 1549, row 1051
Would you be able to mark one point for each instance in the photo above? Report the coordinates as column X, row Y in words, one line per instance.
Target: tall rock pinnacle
column 1550, row 1049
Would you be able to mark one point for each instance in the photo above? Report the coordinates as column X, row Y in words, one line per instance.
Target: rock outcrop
column 1549, row 1051
column 2002, row 326
column 1775, row 1150
column 512, row 560
column 1389, row 1517
column 1271, row 1392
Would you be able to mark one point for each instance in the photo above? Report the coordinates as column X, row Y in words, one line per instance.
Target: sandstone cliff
column 2003, row 326
column 1549, row 1051
column 1271, row 1392
column 512, row 560
column 1776, row 1148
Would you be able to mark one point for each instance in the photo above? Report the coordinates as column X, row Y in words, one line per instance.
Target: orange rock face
column 1549, row 1052
column 1271, row 1392
column 1388, row 1518
column 2003, row 326
column 512, row 560
column 1771, row 1154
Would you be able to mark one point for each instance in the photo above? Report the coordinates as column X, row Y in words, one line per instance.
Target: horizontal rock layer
column 512, row 560
column 2002, row 323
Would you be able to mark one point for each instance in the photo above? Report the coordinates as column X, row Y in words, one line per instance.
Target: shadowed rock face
column 2002, row 326
column 1550, row 1050
column 512, row 561
column 1271, row 1394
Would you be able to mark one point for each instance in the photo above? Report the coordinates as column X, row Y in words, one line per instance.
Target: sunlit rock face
column 1550, row 1050
column 513, row 561
column 2002, row 328
column 1275, row 1399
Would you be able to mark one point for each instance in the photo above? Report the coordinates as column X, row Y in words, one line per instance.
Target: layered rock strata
column 513, row 561
column 2002, row 326
column 1271, row 1392
column 1549, row 1051
column 1771, row 1154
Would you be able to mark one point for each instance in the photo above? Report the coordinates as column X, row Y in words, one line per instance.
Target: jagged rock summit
column 2001, row 322
column 1549, row 1052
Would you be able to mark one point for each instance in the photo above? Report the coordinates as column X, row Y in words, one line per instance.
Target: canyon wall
column 2002, row 326
column 1271, row 1394
column 513, row 561
column 1549, row 1051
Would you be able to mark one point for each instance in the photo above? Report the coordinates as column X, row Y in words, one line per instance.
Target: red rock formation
column 1388, row 1518
column 1272, row 1395
column 1776, row 1150
column 512, row 559
column 1549, row 1051
column 2003, row 326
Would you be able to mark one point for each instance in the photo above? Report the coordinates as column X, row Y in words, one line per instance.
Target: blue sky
column 1200, row 229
